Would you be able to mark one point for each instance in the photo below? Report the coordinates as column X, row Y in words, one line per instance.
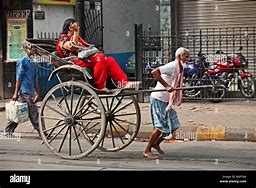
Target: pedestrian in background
column 164, row 117
column 26, row 90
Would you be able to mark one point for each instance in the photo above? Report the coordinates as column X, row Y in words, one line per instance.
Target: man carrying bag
column 26, row 90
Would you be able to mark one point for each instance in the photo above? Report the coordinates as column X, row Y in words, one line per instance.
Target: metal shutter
column 215, row 14
column 209, row 26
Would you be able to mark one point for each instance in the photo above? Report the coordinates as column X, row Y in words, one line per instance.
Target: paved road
column 30, row 154
column 193, row 163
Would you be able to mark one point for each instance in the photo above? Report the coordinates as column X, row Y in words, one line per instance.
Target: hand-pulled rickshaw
column 78, row 118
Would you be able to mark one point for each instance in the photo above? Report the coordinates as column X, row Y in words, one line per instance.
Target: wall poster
column 16, row 34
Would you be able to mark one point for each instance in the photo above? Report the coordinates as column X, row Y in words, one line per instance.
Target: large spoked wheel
column 74, row 120
column 122, row 120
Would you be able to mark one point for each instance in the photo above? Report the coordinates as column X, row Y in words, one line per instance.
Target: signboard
column 16, row 34
column 57, row 2
column 39, row 15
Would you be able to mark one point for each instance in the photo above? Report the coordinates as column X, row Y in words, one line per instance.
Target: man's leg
column 33, row 112
column 153, row 138
column 156, row 145
column 9, row 129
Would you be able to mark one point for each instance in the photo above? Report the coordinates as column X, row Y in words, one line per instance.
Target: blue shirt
column 26, row 73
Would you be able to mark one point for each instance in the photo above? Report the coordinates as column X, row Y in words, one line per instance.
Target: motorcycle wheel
column 188, row 82
column 218, row 93
column 247, row 87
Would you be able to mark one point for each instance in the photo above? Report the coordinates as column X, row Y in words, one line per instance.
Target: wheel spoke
column 87, row 113
column 90, row 131
column 120, row 137
column 128, row 114
column 111, row 133
column 65, row 99
column 57, row 134
column 123, row 107
column 55, row 110
column 79, row 100
column 111, row 104
column 84, row 105
column 125, row 121
column 88, row 119
column 71, row 100
column 107, row 103
column 120, row 126
column 76, row 138
column 63, row 140
column 70, row 131
column 52, row 118
column 118, row 104
column 58, row 103
column 56, row 126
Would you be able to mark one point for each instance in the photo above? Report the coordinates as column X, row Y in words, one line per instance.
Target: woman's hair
column 66, row 25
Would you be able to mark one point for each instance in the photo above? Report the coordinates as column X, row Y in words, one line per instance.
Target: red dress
column 103, row 66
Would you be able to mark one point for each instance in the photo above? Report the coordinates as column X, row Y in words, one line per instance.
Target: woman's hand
column 74, row 27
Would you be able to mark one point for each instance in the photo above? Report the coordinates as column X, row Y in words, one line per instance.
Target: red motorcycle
column 229, row 67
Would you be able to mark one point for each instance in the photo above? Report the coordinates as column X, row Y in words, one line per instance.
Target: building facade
column 26, row 19
column 44, row 19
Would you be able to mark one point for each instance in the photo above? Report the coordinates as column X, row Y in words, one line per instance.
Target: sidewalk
column 228, row 121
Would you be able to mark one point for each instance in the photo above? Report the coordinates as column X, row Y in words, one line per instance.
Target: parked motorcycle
column 193, row 72
column 196, row 73
column 233, row 67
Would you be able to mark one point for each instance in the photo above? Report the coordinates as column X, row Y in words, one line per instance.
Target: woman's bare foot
column 150, row 155
column 158, row 149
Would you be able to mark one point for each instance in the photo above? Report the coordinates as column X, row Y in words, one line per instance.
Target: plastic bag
column 86, row 52
column 16, row 111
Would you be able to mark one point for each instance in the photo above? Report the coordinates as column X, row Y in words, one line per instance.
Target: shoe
column 8, row 134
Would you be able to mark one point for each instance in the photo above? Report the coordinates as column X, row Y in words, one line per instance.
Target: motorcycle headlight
column 212, row 66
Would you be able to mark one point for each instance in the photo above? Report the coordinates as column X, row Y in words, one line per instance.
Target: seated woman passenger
column 103, row 67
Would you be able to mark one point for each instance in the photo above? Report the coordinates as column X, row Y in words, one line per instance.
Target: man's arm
column 157, row 76
column 16, row 92
column 20, row 71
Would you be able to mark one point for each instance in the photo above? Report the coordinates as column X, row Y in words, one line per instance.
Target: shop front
column 16, row 25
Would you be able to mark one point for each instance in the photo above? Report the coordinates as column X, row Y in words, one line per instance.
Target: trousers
column 103, row 67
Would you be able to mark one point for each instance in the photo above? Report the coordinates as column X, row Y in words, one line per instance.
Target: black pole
column 79, row 15
column 101, row 22
column 138, row 58
column 174, row 32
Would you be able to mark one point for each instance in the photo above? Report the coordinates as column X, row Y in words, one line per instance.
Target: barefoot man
column 164, row 117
